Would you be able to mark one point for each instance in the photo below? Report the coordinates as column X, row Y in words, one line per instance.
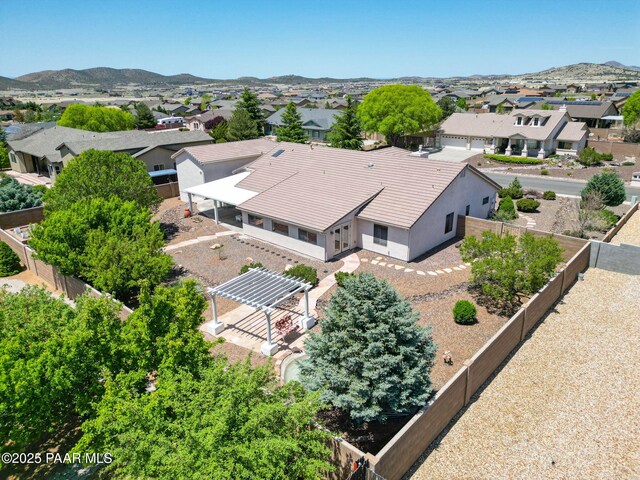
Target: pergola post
column 215, row 327
column 268, row 348
column 190, row 202
column 215, row 211
column 307, row 321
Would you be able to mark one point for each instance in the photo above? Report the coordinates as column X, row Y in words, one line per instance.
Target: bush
column 518, row 160
column 609, row 186
column 305, row 273
column 531, row 193
column 632, row 136
column 549, row 195
column 9, row 261
column 342, row 277
column 589, row 157
column 627, row 164
column 514, row 190
column 245, row 268
column 609, row 218
column 464, row 312
column 544, row 172
column 16, row 196
column 527, row 205
column 506, row 210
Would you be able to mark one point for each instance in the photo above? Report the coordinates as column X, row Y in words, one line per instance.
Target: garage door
column 477, row 143
column 452, row 141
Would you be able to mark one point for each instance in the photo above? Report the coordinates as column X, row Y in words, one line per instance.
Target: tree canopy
column 16, row 196
column 9, row 261
column 144, row 117
column 96, row 119
column 347, row 132
column 4, row 151
column 631, row 110
column 370, row 358
column 249, row 102
column 398, row 110
column 291, row 129
column 111, row 243
column 609, row 186
column 505, row 268
column 447, row 105
column 102, row 174
column 241, row 126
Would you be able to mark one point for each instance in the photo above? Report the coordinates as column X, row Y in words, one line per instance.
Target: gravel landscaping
column 565, row 405
column 630, row 232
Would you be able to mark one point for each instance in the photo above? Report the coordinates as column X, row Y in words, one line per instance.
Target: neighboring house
column 316, row 122
column 591, row 113
column 323, row 202
column 527, row 133
column 48, row 149
column 198, row 165
column 196, row 122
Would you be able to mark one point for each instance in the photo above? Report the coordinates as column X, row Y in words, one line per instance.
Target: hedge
column 517, row 160
column 527, row 205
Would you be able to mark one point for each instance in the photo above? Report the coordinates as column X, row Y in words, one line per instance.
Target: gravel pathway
column 630, row 232
column 566, row 405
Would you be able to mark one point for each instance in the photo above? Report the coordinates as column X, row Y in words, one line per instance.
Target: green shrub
column 627, row 164
column 506, row 210
column 342, row 277
column 527, row 205
column 609, row 186
column 549, row 195
column 464, row 312
column 609, row 218
column 16, row 196
column 305, row 273
column 544, row 171
column 518, row 160
column 245, row 268
column 9, row 261
column 514, row 190
column 589, row 157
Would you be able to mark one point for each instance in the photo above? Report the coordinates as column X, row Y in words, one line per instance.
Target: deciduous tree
column 631, row 110
column 371, row 358
column 398, row 110
column 96, row 119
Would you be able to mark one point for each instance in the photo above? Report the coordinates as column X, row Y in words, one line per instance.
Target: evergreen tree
column 345, row 133
column 371, row 358
column 241, row 126
column 219, row 131
column 249, row 102
column 448, row 107
column 609, row 186
column 291, row 129
column 9, row 261
column 144, row 117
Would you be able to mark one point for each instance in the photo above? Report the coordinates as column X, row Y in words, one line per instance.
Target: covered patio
column 261, row 290
column 222, row 192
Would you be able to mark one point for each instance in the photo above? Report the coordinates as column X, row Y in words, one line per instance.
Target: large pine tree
column 249, row 102
column 144, row 117
column 241, row 126
column 345, row 133
column 371, row 358
column 291, row 129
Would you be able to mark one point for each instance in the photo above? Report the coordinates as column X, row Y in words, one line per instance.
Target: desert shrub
column 527, row 205
column 517, row 160
column 544, row 171
column 608, row 217
column 305, row 273
column 627, row 164
column 342, row 277
column 464, row 312
column 632, row 136
column 589, row 157
column 506, row 210
column 9, row 261
column 531, row 193
column 248, row 266
column 549, row 195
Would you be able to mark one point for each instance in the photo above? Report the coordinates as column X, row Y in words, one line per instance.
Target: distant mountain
column 613, row 63
column 580, row 73
column 103, row 76
column 11, row 84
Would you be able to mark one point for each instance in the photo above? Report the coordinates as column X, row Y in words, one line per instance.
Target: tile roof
column 226, row 151
column 573, row 131
column 312, row 118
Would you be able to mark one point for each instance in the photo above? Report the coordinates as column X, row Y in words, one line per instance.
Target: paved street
column 563, row 187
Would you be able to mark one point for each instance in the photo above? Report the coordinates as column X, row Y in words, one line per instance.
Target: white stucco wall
column 290, row 242
column 428, row 231
column 397, row 240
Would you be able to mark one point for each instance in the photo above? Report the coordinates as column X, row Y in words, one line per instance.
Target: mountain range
column 108, row 77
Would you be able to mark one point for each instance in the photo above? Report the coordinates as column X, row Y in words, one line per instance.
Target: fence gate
column 361, row 471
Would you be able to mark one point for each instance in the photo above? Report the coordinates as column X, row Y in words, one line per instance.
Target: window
column 467, row 210
column 196, row 125
column 280, row 228
column 306, row 236
column 536, row 121
column 448, row 226
column 12, row 156
column 485, row 200
column 256, row 221
column 565, row 145
column 518, row 120
column 380, row 234
column 158, row 167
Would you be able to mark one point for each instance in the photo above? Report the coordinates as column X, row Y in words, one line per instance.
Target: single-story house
column 528, row 133
column 322, row 202
column 316, row 122
column 46, row 150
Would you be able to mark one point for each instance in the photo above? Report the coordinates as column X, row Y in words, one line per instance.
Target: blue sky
column 382, row 39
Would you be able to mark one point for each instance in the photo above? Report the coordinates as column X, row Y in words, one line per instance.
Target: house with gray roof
column 316, row 122
column 523, row 132
column 322, row 202
column 47, row 150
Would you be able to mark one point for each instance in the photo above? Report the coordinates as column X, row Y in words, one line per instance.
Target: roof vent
column 278, row 153
column 370, row 165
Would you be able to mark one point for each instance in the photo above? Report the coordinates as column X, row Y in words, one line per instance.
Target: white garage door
column 477, row 143
column 453, row 141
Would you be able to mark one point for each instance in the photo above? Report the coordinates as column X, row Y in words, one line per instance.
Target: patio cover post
column 215, row 211
column 268, row 348
column 307, row 321
column 215, row 327
column 190, row 202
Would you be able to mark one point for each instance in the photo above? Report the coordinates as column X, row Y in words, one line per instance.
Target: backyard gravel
column 565, row 405
column 630, row 232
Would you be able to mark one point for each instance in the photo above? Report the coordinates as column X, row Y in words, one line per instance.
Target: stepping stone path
column 378, row 261
column 531, row 223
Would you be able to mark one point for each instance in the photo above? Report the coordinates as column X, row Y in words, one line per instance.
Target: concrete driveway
column 451, row 154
